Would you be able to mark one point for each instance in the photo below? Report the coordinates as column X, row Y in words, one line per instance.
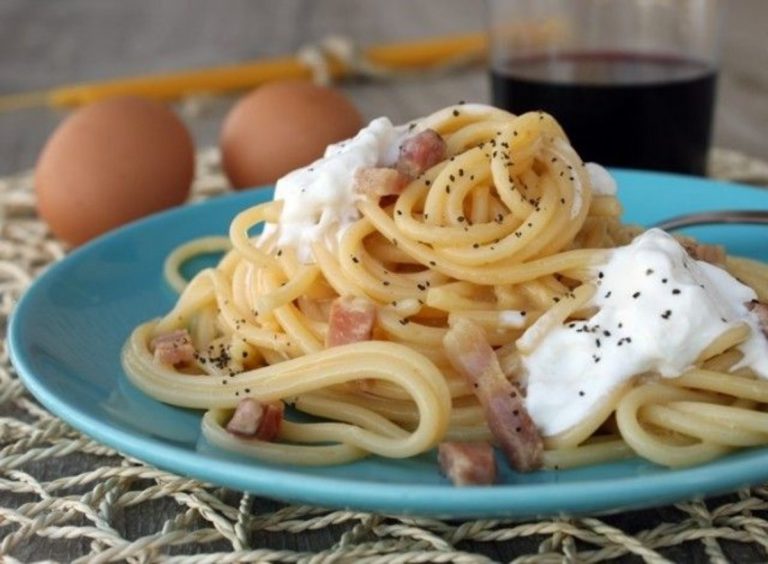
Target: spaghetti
column 507, row 230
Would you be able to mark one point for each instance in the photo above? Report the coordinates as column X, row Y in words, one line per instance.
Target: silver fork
column 758, row 217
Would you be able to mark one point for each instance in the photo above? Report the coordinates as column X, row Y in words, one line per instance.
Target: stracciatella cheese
column 657, row 310
column 319, row 199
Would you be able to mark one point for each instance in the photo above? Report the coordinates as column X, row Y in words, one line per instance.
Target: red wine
column 618, row 109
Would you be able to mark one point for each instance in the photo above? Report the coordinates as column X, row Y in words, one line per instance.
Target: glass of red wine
column 631, row 81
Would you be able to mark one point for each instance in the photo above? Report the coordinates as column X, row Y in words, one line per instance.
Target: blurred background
column 49, row 43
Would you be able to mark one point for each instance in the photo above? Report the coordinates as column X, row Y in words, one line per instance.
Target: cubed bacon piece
column 377, row 182
column 253, row 419
column 421, row 152
column 271, row 421
column 246, row 419
column 467, row 464
column 351, row 321
column 761, row 310
column 173, row 348
column 508, row 420
column 713, row 254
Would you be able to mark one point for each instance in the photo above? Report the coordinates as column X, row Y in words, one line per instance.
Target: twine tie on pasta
column 318, row 57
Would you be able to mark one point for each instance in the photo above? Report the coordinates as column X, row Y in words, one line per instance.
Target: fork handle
column 754, row 217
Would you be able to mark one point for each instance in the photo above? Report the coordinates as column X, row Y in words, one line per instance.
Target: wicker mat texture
column 64, row 497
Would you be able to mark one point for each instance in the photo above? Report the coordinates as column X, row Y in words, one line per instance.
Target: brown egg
column 283, row 126
column 112, row 162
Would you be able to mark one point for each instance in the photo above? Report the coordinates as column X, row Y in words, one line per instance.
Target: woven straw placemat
column 64, row 497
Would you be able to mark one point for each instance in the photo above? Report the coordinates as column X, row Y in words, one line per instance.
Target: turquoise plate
column 66, row 333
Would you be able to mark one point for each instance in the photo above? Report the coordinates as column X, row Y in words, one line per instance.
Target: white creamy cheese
column 658, row 309
column 319, row 200
column 603, row 184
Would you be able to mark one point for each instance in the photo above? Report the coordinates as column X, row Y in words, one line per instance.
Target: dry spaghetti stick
column 398, row 56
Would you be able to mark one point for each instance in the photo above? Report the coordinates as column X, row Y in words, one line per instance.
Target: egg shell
column 282, row 126
column 110, row 163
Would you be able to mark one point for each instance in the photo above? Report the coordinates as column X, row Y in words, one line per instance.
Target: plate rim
column 507, row 500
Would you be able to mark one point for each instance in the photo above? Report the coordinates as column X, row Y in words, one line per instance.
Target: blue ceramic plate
column 66, row 334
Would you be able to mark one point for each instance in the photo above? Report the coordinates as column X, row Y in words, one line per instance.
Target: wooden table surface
column 43, row 44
